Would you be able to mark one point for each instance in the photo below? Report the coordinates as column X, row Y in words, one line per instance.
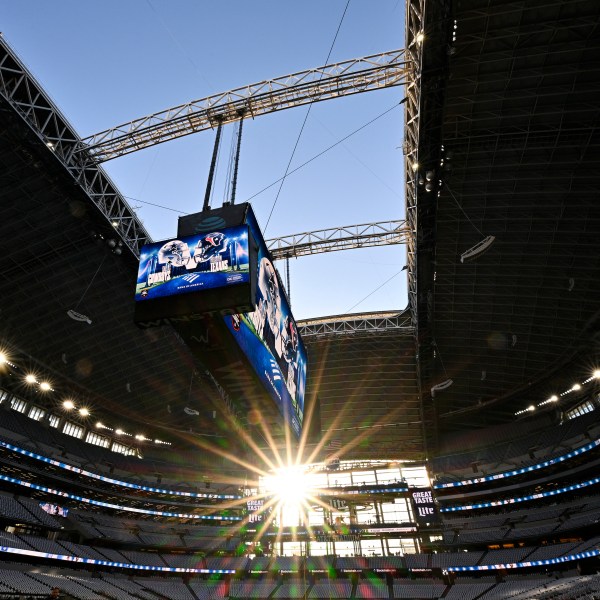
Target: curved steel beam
column 23, row 93
column 339, row 238
column 357, row 323
column 314, row 85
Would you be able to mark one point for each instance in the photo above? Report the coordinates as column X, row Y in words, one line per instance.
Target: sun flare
column 289, row 485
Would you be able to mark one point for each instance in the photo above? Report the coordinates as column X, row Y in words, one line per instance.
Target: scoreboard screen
column 216, row 284
column 193, row 264
column 269, row 338
column 193, row 275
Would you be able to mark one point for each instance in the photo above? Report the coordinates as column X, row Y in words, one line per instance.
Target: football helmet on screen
column 290, row 340
column 269, row 288
column 175, row 252
column 210, row 245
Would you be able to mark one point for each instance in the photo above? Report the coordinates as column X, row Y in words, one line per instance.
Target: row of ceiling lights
column 555, row 398
column 31, row 379
column 69, row 405
column 420, row 37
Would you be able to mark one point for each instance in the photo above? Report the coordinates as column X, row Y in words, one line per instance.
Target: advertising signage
column 423, row 505
column 255, row 508
column 269, row 338
column 195, row 274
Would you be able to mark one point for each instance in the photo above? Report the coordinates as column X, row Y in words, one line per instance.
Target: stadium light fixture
column 45, row 386
column 84, row 412
column 478, row 249
column 68, row 405
column 30, row 378
column 555, row 398
column 3, row 358
column 100, row 425
column 441, row 386
column 78, row 317
column 420, row 37
column 119, row 431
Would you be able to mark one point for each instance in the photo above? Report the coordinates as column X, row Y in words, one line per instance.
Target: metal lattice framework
column 368, row 360
column 305, row 87
column 339, row 238
column 365, row 378
column 20, row 89
column 26, row 96
column 352, row 324
column 414, row 28
column 510, row 102
column 415, row 19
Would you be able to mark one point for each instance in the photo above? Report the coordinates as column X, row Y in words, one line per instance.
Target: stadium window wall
column 581, row 409
column 359, row 477
column 373, row 547
column 390, row 546
column 36, row 413
column 397, row 511
column 18, row 405
column 336, row 480
column 97, row 440
column 345, row 548
column 73, row 430
column 399, row 547
column 293, row 549
column 374, row 511
column 122, row 449
column 385, row 476
column 68, row 428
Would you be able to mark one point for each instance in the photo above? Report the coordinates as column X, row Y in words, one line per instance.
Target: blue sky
column 111, row 61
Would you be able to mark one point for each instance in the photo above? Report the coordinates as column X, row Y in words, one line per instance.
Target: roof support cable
column 305, row 119
column 438, row 387
column 213, row 162
column 72, row 312
column 480, row 247
column 230, row 161
column 287, row 276
column 237, row 158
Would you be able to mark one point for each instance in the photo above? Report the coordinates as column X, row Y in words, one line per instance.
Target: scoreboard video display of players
column 269, row 338
column 216, row 281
